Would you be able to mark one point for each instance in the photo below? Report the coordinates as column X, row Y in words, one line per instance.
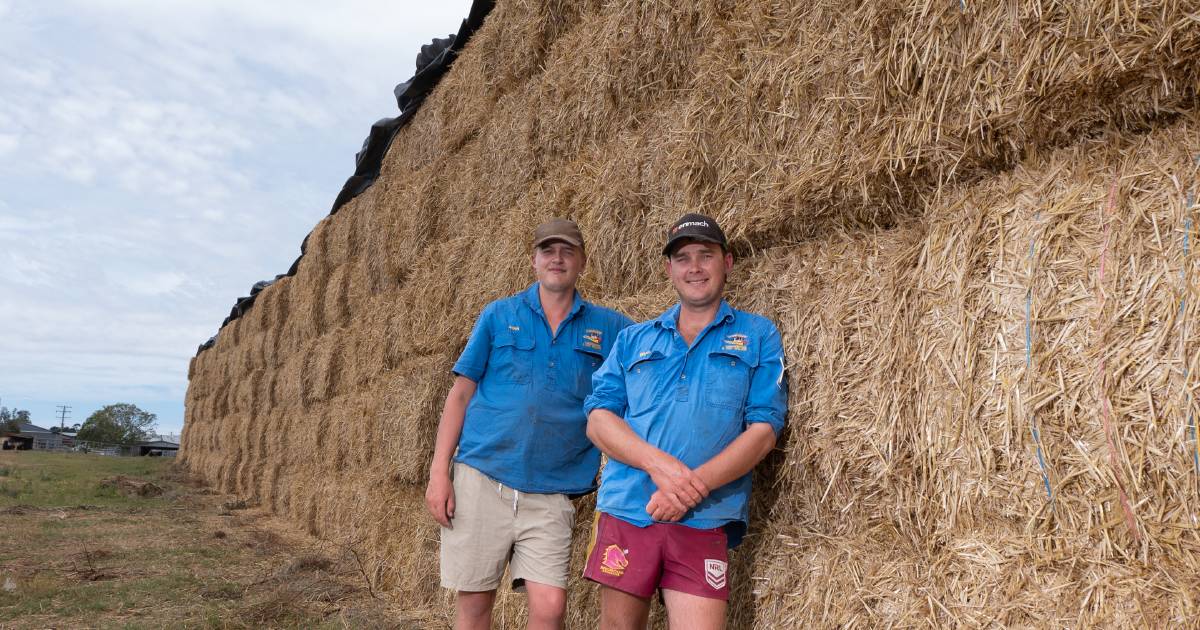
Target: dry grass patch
column 168, row 561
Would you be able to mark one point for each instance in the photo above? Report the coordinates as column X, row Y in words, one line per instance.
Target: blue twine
column 1187, row 233
column 1033, row 431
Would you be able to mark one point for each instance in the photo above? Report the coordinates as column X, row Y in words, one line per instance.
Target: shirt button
column 683, row 377
column 551, row 364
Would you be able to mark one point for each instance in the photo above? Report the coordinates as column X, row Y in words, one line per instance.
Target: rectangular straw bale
column 243, row 390
column 345, row 421
column 408, row 413
column 255, row 482
column 289, row 384
column 336, row 308
column 317, row 258
column 442, row 301
column 366, row 347
column 309, row 311
column 339, row 238
column 398, row 240
column 359, row 288
column 408, row 564
column 320, row 379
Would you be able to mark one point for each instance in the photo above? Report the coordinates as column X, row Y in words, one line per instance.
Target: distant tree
column 121, row 423
column 11, row 419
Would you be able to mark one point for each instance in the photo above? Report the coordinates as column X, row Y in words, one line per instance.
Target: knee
column 475, row 605
column 548, row 607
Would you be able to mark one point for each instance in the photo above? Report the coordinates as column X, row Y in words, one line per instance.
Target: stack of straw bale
column 971, row 221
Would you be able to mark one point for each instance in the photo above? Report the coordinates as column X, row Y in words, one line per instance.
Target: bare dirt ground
column 80, row 548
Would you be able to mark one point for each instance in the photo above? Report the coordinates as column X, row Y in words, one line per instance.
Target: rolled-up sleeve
column 767, row 400
column 608, row 383
column 474, row 358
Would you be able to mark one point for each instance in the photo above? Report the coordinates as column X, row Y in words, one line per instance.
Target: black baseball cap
column 696, row 227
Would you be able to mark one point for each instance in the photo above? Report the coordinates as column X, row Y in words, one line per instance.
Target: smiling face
column 558, row 264
column 698, row 270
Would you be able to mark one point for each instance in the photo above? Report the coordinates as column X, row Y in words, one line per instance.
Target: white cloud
column 156, row 159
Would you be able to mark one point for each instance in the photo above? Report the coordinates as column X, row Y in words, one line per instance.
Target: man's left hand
column 662, row 509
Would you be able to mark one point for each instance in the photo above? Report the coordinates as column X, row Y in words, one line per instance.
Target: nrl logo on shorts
column 592, row 338
column 614, row 561
column 736, row 342
column 714, row 573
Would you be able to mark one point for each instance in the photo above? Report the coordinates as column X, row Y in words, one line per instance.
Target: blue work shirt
column 690, row 402
column 525, row 426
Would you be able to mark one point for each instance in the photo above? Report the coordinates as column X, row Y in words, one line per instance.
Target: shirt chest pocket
column 728, row 379
column 512, row 357
column 588, row 360
column 645, row 381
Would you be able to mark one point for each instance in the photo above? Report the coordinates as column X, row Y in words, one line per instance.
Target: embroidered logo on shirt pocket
column 728, row 379
column 512, row 357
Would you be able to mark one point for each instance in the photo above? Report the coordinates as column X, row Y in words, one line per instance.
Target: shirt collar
column 669, row 319
column 534, row 301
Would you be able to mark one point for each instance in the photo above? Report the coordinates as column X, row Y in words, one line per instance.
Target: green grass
column 71, row 479
column 92, row 557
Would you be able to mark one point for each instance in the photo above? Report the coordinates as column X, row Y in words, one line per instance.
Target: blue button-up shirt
column 525, row 426
column 690, row 402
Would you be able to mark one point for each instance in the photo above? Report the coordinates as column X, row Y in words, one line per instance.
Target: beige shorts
column 494, row 525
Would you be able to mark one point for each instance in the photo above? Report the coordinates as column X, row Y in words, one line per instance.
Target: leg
column 687, row 611
column 621, row 611
column 542, row 555
column 547, row 605
column 475, row 550
column 473, row 610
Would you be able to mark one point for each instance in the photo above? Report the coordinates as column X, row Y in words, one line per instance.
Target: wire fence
column 68, row 444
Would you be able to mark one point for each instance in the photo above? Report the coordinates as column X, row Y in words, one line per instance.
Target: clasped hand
column 679, row 489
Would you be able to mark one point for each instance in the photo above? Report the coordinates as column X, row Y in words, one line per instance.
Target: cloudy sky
column 158, row 158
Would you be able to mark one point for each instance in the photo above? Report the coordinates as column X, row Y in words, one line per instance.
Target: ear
column 728, row 261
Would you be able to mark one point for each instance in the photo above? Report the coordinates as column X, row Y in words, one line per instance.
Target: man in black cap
column 685, row 406
column 515, row 416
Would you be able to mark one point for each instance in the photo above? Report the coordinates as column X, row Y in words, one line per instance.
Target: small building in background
column 156, row 448
column 31, row 437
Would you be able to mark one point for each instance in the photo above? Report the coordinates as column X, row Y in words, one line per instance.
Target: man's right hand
column 439, row 498
column 680, row 484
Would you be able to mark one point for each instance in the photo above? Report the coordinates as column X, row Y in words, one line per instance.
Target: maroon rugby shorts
column 639, row 560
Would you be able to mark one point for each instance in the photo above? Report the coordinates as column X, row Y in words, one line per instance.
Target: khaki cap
column 558, row 230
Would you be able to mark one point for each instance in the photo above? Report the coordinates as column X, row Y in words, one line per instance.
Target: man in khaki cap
column 515, row 416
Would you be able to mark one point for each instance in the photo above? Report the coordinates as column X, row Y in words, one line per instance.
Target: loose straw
column 1105, row 406
column 1033, row 429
